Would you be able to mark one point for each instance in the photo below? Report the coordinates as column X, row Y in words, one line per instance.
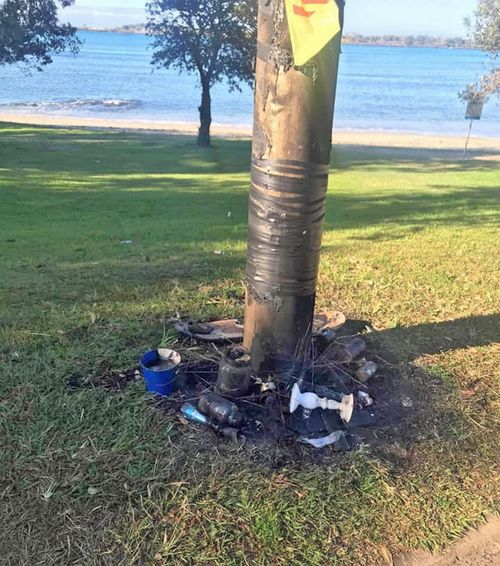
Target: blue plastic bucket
column 160, row 381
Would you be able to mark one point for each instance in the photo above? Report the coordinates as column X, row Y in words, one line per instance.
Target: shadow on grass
column 155, row 152
column 459, row 206
column 172, row 197
column 150, row 153
column 412, row 342
column 348, row 157
column 166, row 200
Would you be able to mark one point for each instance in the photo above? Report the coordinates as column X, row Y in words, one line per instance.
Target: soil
column 479, row 547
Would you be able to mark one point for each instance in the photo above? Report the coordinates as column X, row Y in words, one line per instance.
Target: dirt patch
column 394, row 400
column 479, row 547
column 388, row 425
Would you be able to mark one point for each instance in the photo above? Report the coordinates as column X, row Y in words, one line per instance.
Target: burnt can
column 221, row 410
column 352, row 349
column 235, row 372
column 366, row 371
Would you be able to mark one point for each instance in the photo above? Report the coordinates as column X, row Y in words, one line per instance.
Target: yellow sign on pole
column 312, row 24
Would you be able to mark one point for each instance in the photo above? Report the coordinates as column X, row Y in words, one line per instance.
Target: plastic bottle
column 352, row 350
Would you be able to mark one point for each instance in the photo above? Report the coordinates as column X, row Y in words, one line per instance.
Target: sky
column 368, row 17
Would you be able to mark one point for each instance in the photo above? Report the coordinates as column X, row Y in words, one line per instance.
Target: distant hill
column 408, row 41
column 350, row 39
column 130, row 28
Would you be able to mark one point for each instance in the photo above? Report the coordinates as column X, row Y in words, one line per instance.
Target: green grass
column 411, row 244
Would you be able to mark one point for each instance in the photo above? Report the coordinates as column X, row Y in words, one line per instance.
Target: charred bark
column 293, row 117
column 205, row 110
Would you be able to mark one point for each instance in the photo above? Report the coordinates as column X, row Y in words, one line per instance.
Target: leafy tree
column 485, row 30
column 30, row 32
column 214, row 38
column 486, row 26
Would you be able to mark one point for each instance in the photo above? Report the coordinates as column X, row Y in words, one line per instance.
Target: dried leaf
column 386, row 555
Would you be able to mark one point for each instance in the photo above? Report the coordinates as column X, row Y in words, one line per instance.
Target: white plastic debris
column 312, row 401
column 407, row 402
column 219, row 252
column 325, row 440
column 267, row 386
column 126, row 241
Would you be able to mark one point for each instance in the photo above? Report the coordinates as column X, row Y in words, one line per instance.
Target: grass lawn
column 411, row 244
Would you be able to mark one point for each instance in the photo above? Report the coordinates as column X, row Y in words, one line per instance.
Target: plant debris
column 109, row 380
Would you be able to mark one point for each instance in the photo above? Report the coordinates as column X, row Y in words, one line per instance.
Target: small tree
column 485, row 30
column 30, row 32
column 215, row 38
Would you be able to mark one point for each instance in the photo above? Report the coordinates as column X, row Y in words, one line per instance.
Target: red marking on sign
column 300, row 11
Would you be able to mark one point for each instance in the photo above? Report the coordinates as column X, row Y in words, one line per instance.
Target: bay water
column 379, row 89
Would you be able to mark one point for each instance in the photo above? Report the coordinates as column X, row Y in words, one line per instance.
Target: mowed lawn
column 104, row 234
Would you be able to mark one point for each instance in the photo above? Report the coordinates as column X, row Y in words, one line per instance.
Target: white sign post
column 473, row 112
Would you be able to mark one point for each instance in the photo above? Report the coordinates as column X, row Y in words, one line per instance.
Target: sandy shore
column 488, row 147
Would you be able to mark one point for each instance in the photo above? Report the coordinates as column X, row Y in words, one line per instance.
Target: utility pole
column 293, row 117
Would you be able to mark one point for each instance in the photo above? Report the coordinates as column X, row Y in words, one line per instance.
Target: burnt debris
column 323, row 402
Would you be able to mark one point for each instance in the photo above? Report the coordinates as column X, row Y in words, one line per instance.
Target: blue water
column 380, row 88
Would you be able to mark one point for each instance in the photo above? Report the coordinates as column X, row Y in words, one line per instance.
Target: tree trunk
column 293, row 116
column 205, row 116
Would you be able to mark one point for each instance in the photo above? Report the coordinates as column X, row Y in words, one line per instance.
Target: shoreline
column 341, row 137
column 347, row 39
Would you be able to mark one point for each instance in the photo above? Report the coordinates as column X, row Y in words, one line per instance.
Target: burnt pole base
column 278, row 332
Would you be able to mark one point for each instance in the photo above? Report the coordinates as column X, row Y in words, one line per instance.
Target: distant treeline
column 352, row 38
column 130, row 28
column 408, row 41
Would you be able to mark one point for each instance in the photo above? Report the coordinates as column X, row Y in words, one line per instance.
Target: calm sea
column 380, row 88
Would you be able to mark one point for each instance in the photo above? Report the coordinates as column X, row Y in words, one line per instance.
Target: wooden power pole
column 293, row 117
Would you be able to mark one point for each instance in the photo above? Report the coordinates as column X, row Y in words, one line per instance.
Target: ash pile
column 322, row 399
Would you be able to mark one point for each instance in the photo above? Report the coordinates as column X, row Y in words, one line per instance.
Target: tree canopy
column 30, row 32
column 485, row 30
column 214, row 38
